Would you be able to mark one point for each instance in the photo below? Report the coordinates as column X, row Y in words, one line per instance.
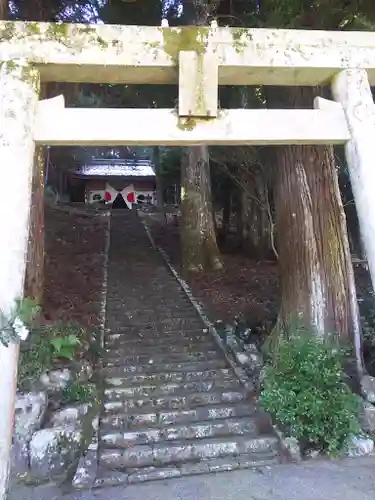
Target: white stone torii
column 198, row 59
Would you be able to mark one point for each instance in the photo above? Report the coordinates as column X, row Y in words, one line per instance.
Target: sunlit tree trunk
column 36, row 10
column 34, row 276
column 316, row 273
column 198, row 238
column 3, row 10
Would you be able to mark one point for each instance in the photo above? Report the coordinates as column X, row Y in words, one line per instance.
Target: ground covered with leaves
column 75, row 242
column 74, row 253
column 248, row 287
column 244, row 286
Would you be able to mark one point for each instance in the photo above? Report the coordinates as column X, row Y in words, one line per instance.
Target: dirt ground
column 244, row 286
column 74, row 251
column 74, row 272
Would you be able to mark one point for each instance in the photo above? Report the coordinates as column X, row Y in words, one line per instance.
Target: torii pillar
column 351, row 88
column 19, row 94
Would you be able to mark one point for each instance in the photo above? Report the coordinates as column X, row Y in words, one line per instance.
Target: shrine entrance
column 120, row 203
column 198, row 60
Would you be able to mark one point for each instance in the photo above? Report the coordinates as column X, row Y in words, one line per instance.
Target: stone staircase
column 172, row 404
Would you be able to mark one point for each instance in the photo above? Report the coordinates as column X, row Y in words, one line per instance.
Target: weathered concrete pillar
column 352, row 89
column 19, row 88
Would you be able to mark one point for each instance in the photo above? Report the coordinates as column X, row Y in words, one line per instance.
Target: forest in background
column 283, row 204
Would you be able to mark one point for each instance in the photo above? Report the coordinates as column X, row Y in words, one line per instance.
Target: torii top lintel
column 147, row 54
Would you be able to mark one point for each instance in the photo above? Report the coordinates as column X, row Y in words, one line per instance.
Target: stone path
column 351, row 479
column 172, row 405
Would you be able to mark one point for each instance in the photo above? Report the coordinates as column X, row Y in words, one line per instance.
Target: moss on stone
column 187, row 123
column 27, row 73
column 188, row 38
column 8, row 31
column 33, row 28
column 57, row 32
column 199, row 96
column 60, row 32
column 241, row 37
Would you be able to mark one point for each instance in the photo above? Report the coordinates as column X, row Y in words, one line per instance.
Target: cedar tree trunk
column 198, row 239
column 316, row 272
column 256, row 213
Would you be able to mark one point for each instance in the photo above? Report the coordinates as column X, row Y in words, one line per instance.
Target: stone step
column 172, row 310
column 152, row 264
column 135, row 304
column 175, row 402
column 208, row 429
column 152, row 350
column 152, row 316
column 174, row 452
column 146, row 275
column 179, row 417
column 108, row 478
column 144, row 294
column 120, row 357
column 168, row 324
column 118, row 371
column 172, row 405
column 150, row 304
column 147, row 391
column 146, row 282
column 173, row 377
column 153, row 287
column 137, row 333
column 139, row 343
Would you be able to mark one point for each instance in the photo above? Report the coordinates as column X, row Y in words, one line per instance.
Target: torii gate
column 198, row 59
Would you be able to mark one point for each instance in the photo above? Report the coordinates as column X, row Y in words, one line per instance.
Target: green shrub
column 304, row 391
column 65, row 347
column 76, row 392
column 48, row 344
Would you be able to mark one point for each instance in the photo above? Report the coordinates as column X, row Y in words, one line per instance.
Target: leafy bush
column 76, row 392
column 304, row 391
column 45, row 345
column 35, row 359
column 65, row 347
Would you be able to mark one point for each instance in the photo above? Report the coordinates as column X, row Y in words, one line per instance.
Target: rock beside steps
column 172, row 404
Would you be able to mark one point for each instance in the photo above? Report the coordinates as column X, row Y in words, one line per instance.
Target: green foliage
column 47, row 344
column 76, row 392
column 304, row 391
column 35, row 360
column 26, row 310
column 65, row 347
column 15, row 326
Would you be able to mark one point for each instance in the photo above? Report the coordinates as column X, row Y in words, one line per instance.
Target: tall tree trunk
column 4, row 9
column 159, row 183
column 198, row 238
column 256, row 214
column 36, row 10
column 34, row 276
column 227, row 207
column 316, row 272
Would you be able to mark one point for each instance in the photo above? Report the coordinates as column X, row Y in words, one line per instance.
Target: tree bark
column 227, row 206
column 316, row 272
column 159, row 183
column 4, row 9
column 34, row 276
column 198, row 240
column 37, row 10
column 256, row 214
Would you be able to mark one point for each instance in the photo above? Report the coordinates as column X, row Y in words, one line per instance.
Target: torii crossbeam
column 198, row 59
